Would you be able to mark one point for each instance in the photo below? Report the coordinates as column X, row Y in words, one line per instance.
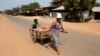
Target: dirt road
column 82, row 39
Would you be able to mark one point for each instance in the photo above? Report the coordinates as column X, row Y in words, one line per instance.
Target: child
column 35, row 24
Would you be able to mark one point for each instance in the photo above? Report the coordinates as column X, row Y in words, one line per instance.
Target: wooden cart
column 40, row 33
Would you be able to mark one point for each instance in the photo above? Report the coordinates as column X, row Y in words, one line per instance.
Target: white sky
column 7, row 4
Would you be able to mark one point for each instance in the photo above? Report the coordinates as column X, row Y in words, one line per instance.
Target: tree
column 87, row 4
column 13, row 11
column 8, row 11
column 34, row 5
column 1, row 11
column 30, row 7
column 25, row 8
column 71, row 5
column 76, row 6
column 16, row 10
column 97, row 4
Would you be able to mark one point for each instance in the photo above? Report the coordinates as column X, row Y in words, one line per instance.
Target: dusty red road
column 82, row 39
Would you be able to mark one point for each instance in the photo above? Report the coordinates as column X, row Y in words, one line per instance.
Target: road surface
column 73, row 43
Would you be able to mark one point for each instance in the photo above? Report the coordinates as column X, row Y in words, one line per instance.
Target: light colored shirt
column 56, row 25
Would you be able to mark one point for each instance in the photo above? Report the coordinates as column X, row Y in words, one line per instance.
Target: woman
column 55, row 30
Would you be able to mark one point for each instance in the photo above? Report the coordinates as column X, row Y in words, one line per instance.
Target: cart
column 40, row 33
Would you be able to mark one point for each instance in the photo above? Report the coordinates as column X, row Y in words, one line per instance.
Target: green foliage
column 34, row 5
column 97, row 4
column 24, row 8
column 12, row 11
column 8, row 11
column 87, row 4
column 77, row 6
column 16, row 10
column 30, row 7
column 1, row 11
column 72, row 5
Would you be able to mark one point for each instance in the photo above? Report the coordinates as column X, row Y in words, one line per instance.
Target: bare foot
column 58, row 53
column 48, row 46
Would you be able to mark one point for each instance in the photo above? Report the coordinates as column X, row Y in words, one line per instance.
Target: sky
column 98, row 1
column 8, row 4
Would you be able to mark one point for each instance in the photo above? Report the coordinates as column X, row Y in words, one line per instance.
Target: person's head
column 36, row 20
column 58, row 19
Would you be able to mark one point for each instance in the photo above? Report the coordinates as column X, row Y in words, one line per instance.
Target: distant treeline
column 69, row 5
column 28, row 8
column 97, row 4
